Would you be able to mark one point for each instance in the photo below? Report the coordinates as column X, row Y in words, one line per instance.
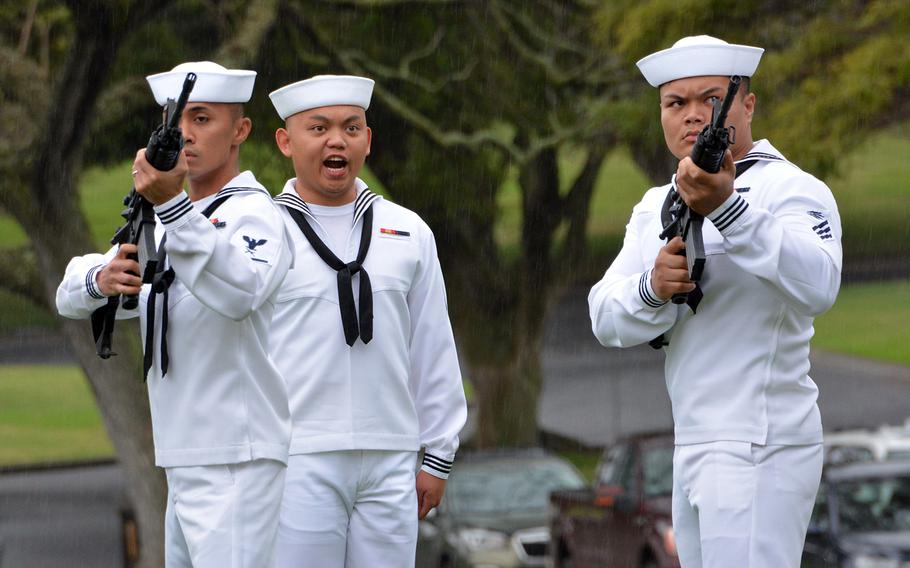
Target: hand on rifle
column 671, row 274
column 156, row 186
column 704, row 192
column 120, row 275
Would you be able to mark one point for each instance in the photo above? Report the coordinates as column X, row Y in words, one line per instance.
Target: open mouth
column 335, row 166
column 335, row 162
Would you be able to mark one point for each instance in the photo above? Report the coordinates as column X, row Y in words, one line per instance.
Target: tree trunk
column 507, row 392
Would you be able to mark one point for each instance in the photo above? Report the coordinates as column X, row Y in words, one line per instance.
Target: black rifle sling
column 346, row 271
column 160, row 284
column 696, row 295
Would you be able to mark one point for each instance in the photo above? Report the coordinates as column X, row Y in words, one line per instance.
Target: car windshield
column 874, row 505
column 658, row 471
column 507, row 487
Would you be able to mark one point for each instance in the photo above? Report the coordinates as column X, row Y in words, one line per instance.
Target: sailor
column 220, row 418
column 362, row 336
column 748, row 432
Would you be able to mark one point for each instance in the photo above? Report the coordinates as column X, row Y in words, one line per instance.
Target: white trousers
column 742, row 505
column 352, row 509
column 223, row 516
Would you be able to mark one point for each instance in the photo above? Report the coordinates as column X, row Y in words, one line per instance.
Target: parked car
column 861, row 517
column 494, row 513
column 884, row 443
column 623, row 521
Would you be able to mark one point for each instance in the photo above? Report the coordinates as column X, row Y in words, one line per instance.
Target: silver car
column 494, row 514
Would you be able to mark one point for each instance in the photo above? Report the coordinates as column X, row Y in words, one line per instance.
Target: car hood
column 506, row 523
column 881, row 542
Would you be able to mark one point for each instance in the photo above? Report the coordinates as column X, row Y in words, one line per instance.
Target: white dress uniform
column 747, row 427
column 737, row 370
column 220, row 418
column 361, row 413
column 371, row 380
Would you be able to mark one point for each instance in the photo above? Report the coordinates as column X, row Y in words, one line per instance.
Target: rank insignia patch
column 394, row 232
column 252, row 243
column 823, row 230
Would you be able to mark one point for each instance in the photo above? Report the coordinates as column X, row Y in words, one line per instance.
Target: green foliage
column 868, row 320
column 832, row 71
column 48, row 415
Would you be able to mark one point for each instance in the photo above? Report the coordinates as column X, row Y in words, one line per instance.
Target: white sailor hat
column 696, row 56
column 214, row 83
column 320, row 91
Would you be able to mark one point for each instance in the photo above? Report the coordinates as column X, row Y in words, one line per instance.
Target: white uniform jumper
column 737, row 371
column 360, row 413
column 219, row 415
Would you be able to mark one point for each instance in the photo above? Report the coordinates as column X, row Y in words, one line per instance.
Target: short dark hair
column 744, row 86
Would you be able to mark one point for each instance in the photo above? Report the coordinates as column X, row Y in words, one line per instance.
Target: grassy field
column 869, row 321
column 47, row 414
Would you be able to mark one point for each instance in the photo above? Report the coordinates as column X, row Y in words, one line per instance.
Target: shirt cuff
column 175, row 212
column 730, row 214
column 647, row 293
column 436, row 466
column 91, row 284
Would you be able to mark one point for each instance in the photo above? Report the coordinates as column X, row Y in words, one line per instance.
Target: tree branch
column 474, row 140
column 27, row 25
column 386, row 3
column 243, row 48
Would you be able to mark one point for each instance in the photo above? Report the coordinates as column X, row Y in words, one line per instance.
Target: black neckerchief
column 346, row 271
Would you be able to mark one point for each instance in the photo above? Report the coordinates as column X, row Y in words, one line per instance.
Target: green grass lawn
column 868, row 320
column 48, row 414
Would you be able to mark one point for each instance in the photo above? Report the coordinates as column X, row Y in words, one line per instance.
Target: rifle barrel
column 732, row 88
column 188, row 84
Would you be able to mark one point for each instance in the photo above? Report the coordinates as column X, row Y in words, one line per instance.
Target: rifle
column 707, row 154
column 162, row 152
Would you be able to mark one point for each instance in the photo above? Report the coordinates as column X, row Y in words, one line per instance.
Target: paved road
column 72, row 518
column 62, row 518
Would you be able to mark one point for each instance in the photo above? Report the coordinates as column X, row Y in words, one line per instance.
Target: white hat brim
column 228, row 86
column 700, row 60
column 322, row 91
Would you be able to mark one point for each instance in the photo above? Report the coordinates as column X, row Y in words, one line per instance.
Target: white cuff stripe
column 438, row 464
column 733, row 212
column 644, row 290
column 177, row 211
column 90, row 284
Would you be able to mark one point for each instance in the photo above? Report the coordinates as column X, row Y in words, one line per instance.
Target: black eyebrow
column 198, row 107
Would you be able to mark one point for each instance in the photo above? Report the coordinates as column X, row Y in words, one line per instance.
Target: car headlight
column 482, row 539
column 867, row 561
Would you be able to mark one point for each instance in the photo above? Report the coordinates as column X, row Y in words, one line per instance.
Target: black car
column 494, row 514
column 861, row 517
